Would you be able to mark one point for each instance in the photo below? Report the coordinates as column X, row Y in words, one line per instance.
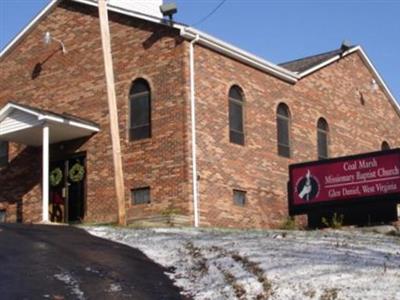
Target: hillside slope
column 222, row 264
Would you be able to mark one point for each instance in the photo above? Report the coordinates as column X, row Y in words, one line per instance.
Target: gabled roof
column 24, row 124
column 303, row 64
column 46, row 115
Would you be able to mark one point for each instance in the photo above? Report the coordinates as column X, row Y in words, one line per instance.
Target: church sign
column 344, row 181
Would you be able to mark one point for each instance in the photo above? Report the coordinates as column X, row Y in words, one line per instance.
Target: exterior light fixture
column 47, row 39
column 374, row 85
column 168, row 10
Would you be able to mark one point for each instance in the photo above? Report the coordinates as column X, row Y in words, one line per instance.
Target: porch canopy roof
column 23, row 124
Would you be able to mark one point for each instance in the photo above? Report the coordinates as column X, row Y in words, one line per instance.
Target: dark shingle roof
column 303, row 64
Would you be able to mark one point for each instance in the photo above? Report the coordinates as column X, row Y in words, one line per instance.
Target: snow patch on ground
column 221, row 264
column 72, row 284
column 114, row 288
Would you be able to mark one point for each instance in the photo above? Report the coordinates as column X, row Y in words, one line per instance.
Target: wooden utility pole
column 113, row 111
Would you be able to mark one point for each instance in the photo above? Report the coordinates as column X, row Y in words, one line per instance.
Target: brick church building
column 207, row 130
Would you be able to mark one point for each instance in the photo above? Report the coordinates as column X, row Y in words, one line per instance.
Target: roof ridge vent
column 346, row 45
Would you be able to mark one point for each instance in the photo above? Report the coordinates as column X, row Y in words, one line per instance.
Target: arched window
column 139, row 110
column 3, row 153
column 236, row 127
column 322, row 138
column 283, row 129
column 385, row 146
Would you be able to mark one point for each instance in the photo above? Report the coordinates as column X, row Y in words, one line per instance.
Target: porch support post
column 45, row 173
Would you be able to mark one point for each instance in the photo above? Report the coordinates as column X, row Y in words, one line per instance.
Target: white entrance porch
column 36, row 127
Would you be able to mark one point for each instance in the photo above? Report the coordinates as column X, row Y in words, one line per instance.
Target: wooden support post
column 113, row 111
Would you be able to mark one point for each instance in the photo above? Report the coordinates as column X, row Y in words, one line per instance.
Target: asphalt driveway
column 61, row 262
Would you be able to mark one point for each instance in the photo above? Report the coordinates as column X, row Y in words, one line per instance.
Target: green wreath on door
column 76, row 173
column 56, row 176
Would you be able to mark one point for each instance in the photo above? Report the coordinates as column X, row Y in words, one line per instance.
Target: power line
column 210, row 14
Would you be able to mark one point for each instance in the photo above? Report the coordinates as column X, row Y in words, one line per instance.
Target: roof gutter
column 238, row 54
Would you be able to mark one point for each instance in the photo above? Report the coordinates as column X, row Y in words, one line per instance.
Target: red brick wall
column 74, row 83
column 331, row 93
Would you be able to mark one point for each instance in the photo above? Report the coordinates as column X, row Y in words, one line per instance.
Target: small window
column 236, row 128
column 322, row 138
column 385, row 146
column 140, row 110
column 3, row 154
column 283, row 130
column 239, row 197
column 140, row 195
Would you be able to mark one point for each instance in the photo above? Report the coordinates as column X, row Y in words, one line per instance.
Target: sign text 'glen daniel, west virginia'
column 344, row 179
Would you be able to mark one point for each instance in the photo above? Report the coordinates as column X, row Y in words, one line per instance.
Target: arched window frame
column 139, row 116
column 283, row 129
column 236, row 115
column 322, row 139
column 385, row 146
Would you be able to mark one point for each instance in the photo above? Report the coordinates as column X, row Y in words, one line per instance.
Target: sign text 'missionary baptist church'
column 370, row 177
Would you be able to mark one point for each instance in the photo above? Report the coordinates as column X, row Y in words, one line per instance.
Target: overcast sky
column 275, row 30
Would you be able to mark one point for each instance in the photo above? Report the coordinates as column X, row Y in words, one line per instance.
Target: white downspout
column 193, row 118
column 45, row 173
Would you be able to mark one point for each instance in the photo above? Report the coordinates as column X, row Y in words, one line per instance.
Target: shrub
column 289, row 224
column 336, row 222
